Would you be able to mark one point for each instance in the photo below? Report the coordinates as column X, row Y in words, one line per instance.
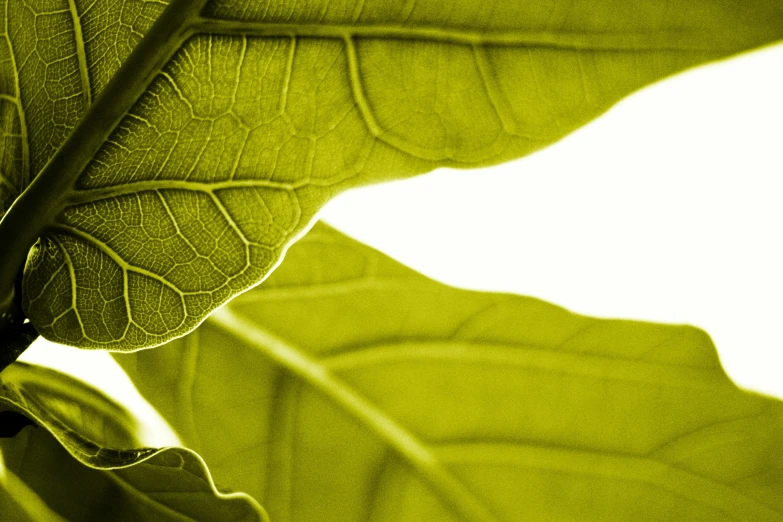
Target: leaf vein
column 81, row 56
column 72, row 276
column 26, row 174
column 124, row 266
column 693, row 41
column 418, row 455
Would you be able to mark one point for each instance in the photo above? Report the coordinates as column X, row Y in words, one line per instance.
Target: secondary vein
column 26, row 174
column 81, row 56
column 642, row 41
column 80, row 196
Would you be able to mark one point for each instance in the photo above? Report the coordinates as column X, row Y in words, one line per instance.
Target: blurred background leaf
column 350, row 388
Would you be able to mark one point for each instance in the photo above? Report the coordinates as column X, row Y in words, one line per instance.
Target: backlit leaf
column 56, row 57
column 231, row 123
column 350, row 388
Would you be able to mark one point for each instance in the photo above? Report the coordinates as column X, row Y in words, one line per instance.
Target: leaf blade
column 258, row 119
column 363, row 386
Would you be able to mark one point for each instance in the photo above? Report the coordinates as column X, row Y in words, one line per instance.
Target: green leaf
column 92, row 427
column 43, row 478
column 89, row 462
column 23, row 504
column 355, row 389
column 230, row 124
column 56, row 57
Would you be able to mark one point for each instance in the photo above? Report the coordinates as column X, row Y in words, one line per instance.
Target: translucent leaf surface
column 227, row 128
column 355, row 389
column 70, row 465
column 56, row 57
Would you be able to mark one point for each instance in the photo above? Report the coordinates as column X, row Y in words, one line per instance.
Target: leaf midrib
column 430, row 460
column 452, row 491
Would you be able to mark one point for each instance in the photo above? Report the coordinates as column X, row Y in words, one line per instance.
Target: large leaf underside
column 355, row 389
column 269, row 108
column 56, row 56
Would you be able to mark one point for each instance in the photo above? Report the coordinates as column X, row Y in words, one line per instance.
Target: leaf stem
column 43, row 200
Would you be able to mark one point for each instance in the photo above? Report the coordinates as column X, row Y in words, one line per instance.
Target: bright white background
column 668, row 208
